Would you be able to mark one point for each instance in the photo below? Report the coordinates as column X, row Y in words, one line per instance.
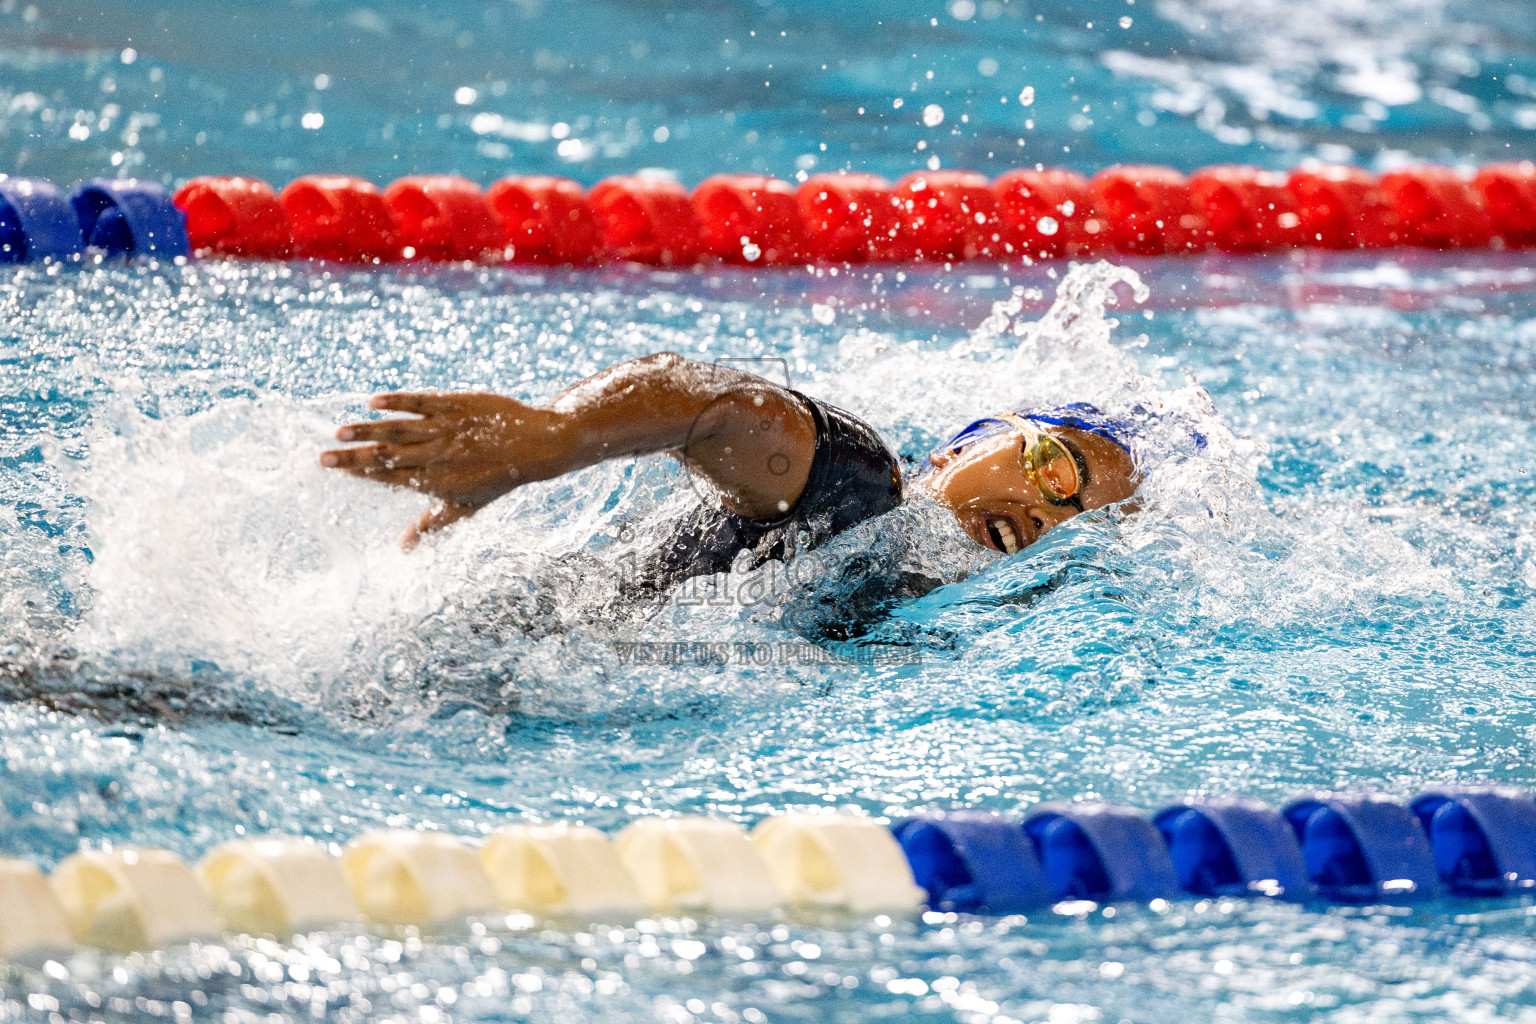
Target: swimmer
column 789, row 469
column 790, row 472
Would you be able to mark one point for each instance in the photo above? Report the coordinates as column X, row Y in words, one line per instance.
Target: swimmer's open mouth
column 1003, row 536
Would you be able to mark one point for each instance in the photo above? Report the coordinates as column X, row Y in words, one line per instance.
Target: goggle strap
column 1013, row 419
column 1030, row 429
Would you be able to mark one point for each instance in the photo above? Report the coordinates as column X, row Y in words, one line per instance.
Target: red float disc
column 1342, row 207
column 849, row 218
column 1509, row 196
column 1245, row 209
column 1148, row 210
column 545, row 219
column 949, row 215
column 443, row 217
column 335, row 217
column 1046, row 214
column 1437, row 208
column 237, row 216
column 750, row 218
column 647, row 220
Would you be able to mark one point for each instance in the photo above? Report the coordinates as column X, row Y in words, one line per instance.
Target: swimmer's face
column 997, row 504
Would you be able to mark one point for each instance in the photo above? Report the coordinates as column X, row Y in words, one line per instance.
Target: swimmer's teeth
column 1010, row 541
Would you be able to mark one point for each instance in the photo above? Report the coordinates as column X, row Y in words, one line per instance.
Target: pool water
column 1331, row 587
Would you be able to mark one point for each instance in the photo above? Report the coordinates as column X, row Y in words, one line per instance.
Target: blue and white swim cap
column 1079, row 415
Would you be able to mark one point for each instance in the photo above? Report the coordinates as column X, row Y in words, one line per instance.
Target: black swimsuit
column 853, row 477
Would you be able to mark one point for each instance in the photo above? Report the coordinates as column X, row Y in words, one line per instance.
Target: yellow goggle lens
column 1052, row 468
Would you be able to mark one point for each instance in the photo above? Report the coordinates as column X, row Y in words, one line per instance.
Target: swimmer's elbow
column 704, row 379
column 668, row 372
column 663, row 364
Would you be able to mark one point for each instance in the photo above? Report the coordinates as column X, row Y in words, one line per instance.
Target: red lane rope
column 934, row 216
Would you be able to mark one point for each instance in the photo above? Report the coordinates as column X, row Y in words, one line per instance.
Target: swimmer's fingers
column 423, row 403
column 390, row 431
column 414, row 479
column 434, row 518
column 361, row 460
column 372, row 460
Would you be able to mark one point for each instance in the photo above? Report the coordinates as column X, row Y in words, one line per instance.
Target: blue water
column 1335, row 590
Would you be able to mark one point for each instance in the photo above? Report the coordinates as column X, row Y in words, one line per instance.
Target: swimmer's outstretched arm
column 750, row 438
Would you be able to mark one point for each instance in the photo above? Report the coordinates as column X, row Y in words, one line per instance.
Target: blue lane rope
column 113, row 217
column 1337, row 847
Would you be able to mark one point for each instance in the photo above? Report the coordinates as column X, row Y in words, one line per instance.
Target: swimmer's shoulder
column 854, row 475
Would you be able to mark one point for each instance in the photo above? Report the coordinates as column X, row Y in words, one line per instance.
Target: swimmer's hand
column 464, row 449
column 752, row 440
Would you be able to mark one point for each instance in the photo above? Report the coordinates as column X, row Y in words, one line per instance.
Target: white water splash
column 217, row 539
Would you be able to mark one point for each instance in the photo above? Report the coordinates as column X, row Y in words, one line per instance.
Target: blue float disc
column 1231, row 846
column 972, row 861
column 1102, row 852
column 1483, row 838
column 13, row 237
column 130, row 217
column 1361, row 848
column 36, row 222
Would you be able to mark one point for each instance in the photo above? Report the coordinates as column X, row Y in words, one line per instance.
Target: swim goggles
column 1058, row 472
